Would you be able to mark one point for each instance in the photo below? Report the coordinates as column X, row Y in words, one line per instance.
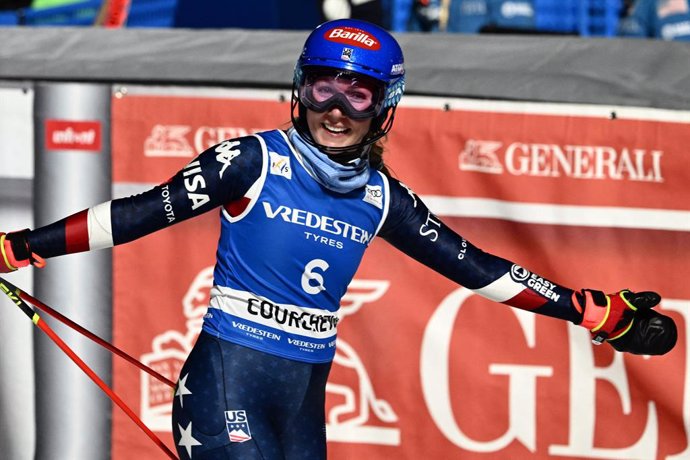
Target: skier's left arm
column 625, row 319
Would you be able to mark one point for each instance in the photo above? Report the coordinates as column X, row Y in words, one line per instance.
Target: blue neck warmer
column 332, row 175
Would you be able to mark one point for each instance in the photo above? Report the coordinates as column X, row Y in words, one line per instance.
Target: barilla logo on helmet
column 352, row 36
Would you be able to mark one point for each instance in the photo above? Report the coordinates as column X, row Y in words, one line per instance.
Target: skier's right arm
column 219, row 176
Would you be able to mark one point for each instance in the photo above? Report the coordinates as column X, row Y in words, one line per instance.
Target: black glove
column 651, row 333
column 626, row 320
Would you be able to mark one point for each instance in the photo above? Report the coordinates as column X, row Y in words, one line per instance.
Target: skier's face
column 334, row 129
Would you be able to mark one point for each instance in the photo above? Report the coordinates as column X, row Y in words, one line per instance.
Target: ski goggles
column 359, row 97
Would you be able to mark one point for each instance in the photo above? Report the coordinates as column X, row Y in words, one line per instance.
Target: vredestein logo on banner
column 73, row 135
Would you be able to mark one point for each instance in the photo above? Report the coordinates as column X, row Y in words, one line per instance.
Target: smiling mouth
column 334, row 129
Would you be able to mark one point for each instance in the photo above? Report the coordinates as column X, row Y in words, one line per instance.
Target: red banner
column 537, row 158
column 424, row 368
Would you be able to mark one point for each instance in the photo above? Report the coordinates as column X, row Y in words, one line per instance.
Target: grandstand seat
column 556, row 16
column 142, row 13
column 603, row 18
column 582, row 17
column 76, row 14
column 151, row 13
column 8, row 18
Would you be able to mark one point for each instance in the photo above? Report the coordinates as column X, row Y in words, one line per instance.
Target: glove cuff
column 6, row 252
column 595, row 307
column 604, row 315
column 16, row 252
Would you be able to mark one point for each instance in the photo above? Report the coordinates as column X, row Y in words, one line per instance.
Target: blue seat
column 76, row 14
column 9, row 19
column 583, row 17
column 142, row 13
column 151, row 13
column 603, row 17
column 556, row 15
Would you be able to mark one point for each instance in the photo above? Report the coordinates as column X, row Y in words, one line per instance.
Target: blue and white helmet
column 359, row 48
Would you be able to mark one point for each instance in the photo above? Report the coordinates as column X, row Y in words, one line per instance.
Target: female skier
column 298, row 208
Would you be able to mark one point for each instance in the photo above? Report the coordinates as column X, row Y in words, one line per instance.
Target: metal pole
column 73, row 172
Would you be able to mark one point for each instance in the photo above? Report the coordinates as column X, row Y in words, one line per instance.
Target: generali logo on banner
column 73, row 135
column 186, row 140
column 585, row 376
column 552, row 160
